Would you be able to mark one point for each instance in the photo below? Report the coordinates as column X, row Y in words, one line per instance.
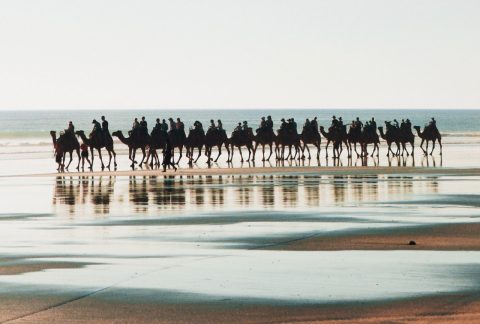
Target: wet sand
column 275, row 170
column 208, row 218
column 451, row 237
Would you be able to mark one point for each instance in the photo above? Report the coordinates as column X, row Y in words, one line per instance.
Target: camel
column 215, row 137
column 391, row 136
column 333, row 137
column 355, row 136
column 430, row 133
column 97, row 141
column 195, row 139
column 68, row 144
column 406, row 136
column 264, row 137
column 239, row 139
column 177, row 138
column 288, row 138
column 369, row 136
column 310, row 136
column 158, row 140
column 134, row 143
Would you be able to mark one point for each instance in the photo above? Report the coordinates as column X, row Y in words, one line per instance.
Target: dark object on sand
column 412, row 243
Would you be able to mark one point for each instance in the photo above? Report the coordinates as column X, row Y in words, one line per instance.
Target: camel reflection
column 149, row 194
column 83, row 190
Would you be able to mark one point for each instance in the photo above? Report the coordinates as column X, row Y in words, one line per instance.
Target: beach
column 243, row 244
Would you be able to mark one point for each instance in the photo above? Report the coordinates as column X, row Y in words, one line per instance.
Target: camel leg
column 199, row 153
column 439, row 143
column 79, row 158
column 219, row 148
column 271, row 152
column 308, row 150
column 180, row 154
column 71, row 158
column 143, row 156
column 426, row 148
column 433, row 146
column 413, row 146
column 93, row 156
column 100, row 157
column 263, row 152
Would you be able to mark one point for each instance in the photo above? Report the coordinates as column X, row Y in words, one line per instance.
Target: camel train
column 286, row 143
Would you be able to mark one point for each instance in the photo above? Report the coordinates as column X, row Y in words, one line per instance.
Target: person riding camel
column 173, row 126
column 396, row 123
column 373, row 123
column 263, row 125
column 143, row 125
column 314, row 125
column 105, row 129
column 96, row 128
column 212, row 125
column 70, row 129
column 294, row 125
column 219, row 125
column 433, row 122
column 164, row 126
column 307, row 124
column 283, row 125
column 340, row 122
column 408, row 124
column 334, row 122
column 358, row 123
column 181, row 128
column 135, row 127
column 158, row 126
column 238, row 128
column 245, row 126
column 269, row 123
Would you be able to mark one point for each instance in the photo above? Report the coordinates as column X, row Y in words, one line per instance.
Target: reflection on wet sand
column 153, row 194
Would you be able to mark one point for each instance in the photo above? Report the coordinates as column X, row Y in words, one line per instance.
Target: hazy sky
column 235, row 54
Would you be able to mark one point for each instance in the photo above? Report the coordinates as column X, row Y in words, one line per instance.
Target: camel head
column 322, row 128
column 53, row 133
column 117, row 133
column 417, row 128
column 80, row 133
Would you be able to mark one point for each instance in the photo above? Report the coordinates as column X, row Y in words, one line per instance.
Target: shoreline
column 327, row 170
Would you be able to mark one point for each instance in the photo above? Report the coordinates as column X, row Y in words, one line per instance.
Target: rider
column 70, row 129
column 269, row 123
column 408, row 124
column 307, row 124
column 158, row 125
column 164, row 126
column 263, row 125
column 334, row 122
column 294, row 125
column 219, row 125
column 245, row 126
column 143, row 124
column 135, row 125
column 358, row 123
column 180, row 125
column 105, row 130
column 340, row 122
column 238, row 128
column 172, row 124
column 212, row 125
column 284, row 124
column 396, row 123
column 314, row 124
column 96, row 126
column 433, row 122
column 373, row 123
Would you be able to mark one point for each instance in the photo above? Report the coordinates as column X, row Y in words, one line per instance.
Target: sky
column 223, row 54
